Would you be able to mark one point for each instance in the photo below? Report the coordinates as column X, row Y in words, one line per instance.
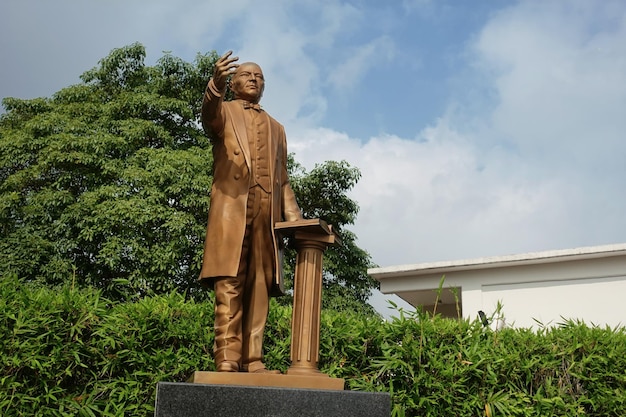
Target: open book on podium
column 317, row 229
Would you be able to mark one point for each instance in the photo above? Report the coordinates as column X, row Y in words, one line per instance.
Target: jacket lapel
column 271, row 143
column 239, row 126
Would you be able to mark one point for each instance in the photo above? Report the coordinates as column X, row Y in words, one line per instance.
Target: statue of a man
column 250, row 193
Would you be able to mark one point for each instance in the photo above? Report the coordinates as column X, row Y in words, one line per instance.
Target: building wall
column 593, row 300
column 591, row 290
column 538, row 290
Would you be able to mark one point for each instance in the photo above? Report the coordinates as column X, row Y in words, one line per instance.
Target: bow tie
column 248, row 105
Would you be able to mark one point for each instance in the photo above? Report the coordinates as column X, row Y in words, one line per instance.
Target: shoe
column 227, row 366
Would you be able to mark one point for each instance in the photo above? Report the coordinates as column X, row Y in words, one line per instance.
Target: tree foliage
column 322, row 194
column 107, row 182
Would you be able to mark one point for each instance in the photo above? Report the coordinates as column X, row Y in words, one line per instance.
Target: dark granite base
column 199, row 400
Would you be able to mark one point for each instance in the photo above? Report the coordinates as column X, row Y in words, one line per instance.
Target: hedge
column 71, row 352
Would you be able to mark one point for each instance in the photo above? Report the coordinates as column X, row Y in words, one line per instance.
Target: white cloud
column 337, row 19
column 270, row 36
column 429, row 199
column 542, row 168
column 186, row 26
column 350, row 72
column 561, row 80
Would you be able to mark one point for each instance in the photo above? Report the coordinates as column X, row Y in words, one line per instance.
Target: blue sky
column 481, row 128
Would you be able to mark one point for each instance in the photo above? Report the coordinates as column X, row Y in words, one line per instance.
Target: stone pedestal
column 200, row 400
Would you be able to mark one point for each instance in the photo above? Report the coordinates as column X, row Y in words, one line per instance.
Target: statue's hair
column 248, row 63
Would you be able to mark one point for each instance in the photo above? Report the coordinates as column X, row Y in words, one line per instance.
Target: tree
column 107, row 182
column 321, row 194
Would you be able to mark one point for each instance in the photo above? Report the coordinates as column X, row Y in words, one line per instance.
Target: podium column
column 311, row 237
column 307, row 305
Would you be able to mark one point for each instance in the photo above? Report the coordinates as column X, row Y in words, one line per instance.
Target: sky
column 480, row 128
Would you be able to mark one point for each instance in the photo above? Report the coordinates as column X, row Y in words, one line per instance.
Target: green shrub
column 72, row 352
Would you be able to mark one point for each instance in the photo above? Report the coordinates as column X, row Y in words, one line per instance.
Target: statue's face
column 248, row 82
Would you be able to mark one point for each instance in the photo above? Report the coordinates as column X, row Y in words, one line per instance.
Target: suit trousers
column 242, row 302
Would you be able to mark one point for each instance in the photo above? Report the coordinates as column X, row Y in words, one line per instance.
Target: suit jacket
column 224, row 122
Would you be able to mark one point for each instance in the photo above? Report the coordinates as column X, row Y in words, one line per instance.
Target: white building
column 588, row 284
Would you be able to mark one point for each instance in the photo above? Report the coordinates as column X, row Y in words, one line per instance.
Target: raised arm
column 211, row 114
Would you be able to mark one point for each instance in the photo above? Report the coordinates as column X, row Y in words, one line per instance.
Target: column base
column 295, row 370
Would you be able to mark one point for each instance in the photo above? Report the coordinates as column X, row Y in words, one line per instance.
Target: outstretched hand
column 224, row 67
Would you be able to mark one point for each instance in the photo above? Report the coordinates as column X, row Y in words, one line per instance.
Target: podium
column 311, row 238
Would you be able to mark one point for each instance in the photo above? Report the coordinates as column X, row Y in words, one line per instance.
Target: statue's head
column 248, row 82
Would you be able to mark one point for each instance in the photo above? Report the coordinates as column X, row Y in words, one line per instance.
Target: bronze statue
column 250, row 193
